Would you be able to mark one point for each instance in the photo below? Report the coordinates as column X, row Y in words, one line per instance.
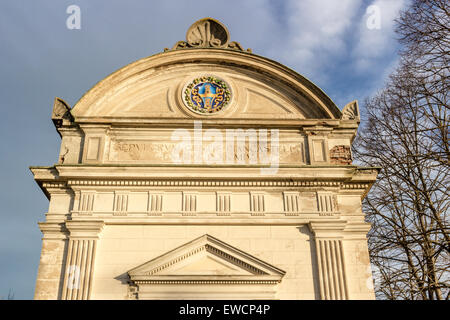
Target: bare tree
column 406, row 134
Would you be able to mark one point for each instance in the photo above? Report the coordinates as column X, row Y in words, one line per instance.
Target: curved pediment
column 155, row 87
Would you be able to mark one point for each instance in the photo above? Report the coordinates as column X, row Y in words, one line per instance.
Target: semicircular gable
column 153, row 88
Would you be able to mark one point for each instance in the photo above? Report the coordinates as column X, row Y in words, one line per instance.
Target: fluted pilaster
column 80, row 259
column 330, row 260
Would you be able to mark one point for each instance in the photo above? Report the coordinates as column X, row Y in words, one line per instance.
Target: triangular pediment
column 205, row 264
column 206, row 258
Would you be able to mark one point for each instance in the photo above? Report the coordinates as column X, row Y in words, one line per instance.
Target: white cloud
column 375, row 43
column 317, row 31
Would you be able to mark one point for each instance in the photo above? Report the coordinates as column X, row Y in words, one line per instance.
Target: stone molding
column 272, row 282
column 212, row 183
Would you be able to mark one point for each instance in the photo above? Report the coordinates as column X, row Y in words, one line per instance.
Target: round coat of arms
column 207, row 94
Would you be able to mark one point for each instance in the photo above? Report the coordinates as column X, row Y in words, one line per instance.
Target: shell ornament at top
column 207, row 95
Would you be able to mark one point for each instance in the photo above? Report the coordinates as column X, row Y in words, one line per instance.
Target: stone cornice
column 146, row 122
column 280, row 220
column 217, row 172
column 63, row 178
column 209, row 183
column 181, row 281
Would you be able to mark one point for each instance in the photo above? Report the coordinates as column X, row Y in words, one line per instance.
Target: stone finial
column 208, row 33
column 351, row 111
column 61, row 113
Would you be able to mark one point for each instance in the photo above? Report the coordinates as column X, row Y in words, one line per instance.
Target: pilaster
column 80, row 259
column 48, row 281
column 330, row 259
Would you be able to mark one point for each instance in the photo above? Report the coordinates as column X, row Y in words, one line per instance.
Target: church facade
column 205, row 172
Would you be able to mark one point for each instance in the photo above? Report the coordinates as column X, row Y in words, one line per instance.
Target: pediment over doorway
column 206, row 258
column 205, row 261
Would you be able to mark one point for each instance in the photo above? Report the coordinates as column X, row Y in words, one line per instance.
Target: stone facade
column 248, row 195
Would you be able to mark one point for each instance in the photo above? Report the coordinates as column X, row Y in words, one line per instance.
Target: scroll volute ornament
column 208, row 33
column 61, row 113
column 351, row 111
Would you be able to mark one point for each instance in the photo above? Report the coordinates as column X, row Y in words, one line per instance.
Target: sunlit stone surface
column 243, row 189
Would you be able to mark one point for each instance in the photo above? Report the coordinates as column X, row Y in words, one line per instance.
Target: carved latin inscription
column 162, row 152
column 292, row 153
column 123, row 151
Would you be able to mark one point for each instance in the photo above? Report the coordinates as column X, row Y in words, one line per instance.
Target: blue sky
column 327, row 41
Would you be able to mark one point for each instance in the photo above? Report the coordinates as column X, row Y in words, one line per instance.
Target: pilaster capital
column 357, row 230
column 317, row 130
column 53, row 230
column 328, row 229
column 85, row 229
column 70, row 131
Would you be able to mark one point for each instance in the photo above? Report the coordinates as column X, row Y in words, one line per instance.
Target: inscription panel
column 169, row 152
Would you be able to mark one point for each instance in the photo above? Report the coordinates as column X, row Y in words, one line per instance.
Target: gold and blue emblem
column 207, row 94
